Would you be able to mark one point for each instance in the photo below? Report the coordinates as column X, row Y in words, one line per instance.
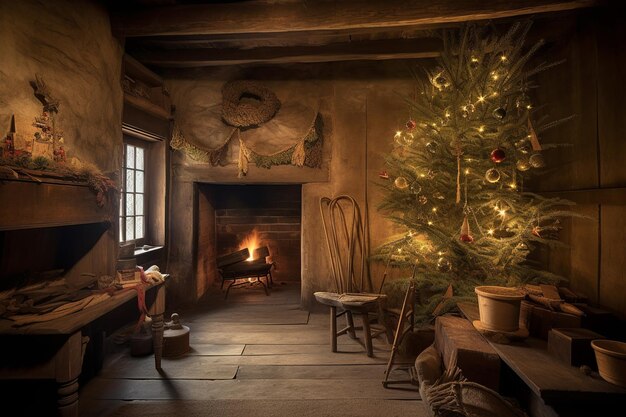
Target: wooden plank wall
column 590, row 86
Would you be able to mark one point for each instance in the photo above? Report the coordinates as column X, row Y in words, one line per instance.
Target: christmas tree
column 457, row 170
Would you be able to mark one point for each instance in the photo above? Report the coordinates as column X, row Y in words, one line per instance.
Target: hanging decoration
column 465, row 231
column 536, row 161
column 497, row 155
column 401, row 183
column 252, row 117
column 492, row 175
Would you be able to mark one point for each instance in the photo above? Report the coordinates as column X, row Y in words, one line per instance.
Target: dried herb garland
column 239, row 112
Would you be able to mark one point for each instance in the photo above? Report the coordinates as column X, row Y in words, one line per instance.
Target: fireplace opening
column 234, row 217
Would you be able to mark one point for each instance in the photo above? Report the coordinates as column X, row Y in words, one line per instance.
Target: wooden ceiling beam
column 293, row 17
column 349, row 51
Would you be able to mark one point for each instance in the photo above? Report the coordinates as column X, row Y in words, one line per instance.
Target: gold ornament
column 401, row 183
column 492, row 175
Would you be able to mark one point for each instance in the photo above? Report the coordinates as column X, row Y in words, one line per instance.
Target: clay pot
column 499, row 307
column 611, row 358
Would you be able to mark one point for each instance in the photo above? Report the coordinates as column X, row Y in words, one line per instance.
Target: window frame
column 122, row 216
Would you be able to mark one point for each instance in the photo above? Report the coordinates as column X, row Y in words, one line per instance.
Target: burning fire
column 252, row 241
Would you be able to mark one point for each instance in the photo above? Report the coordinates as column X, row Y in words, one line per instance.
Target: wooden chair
column 347, row 248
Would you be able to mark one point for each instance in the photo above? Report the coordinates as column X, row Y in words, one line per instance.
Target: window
column 133, row 196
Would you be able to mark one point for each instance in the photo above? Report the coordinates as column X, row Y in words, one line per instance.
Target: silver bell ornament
column 443, row 265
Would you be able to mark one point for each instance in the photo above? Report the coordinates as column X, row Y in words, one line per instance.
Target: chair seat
column 353, row 301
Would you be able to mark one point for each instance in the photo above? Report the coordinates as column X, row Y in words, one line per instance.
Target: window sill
column 146, row 249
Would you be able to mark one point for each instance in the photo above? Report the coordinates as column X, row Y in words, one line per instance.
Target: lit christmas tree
column 456, row 174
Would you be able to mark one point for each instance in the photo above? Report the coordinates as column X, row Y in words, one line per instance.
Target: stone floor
column 258, row 355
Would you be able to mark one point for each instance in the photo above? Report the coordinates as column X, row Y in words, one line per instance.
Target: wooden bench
column 54, row 349
column 550, row 387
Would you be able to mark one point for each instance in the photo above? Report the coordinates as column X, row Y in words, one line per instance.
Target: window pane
column 139, row 182
column 130, row 156
column 130, row 228
column 130, row 181
column 138, row 227
column 139, row 164
column 130, row 204
column 139, row 204
column 121, row 230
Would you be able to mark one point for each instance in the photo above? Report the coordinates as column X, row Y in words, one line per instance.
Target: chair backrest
column 347, row 247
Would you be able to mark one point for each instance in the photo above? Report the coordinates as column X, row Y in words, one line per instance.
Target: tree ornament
column 470, row 107
column 492, row 175
column 443, row 265
column 401, row 183
column 415, row 187
column 383, row 174
column 522, row 165
column 464, row 112
column 497, row 155
column 536, row 230
column 536, row 161
column 499, row 113
column 411, row 124
column 522, row 102
column 432, row 147
column 439, row 81
column 437, row 195
column 474, row 62
column 407, row 138
column 422, row 199
column 465, row 231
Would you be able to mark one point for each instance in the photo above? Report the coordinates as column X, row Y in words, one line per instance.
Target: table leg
column 157, row 339
column 156, row 313
column 68, row 364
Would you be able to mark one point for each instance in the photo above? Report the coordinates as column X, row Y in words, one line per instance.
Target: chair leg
column 333, row 329
column 367, row 334
column 350, row 321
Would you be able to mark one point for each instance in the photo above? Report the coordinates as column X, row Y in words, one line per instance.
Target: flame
column 252, row 241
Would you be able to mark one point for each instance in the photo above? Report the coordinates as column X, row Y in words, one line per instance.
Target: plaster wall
column 70, row 46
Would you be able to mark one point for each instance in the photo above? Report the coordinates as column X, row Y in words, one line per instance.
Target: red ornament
column 467, row 238
column 498, row 155
column 536, row 231
column 411, row 124
column 383, row 174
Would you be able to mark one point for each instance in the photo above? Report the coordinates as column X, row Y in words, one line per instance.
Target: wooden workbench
column 55, row 349
column 555, row 388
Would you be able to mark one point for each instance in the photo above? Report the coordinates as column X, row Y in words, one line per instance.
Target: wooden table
column 556, row 388
column 55, row 349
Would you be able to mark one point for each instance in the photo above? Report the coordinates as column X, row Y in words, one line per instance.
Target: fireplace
column 231, row 217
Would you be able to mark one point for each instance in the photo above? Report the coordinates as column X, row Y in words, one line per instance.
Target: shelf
column 613, row 195
column 29, row 205
column 549, row 379
column 137, row 70
column 147, row 106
